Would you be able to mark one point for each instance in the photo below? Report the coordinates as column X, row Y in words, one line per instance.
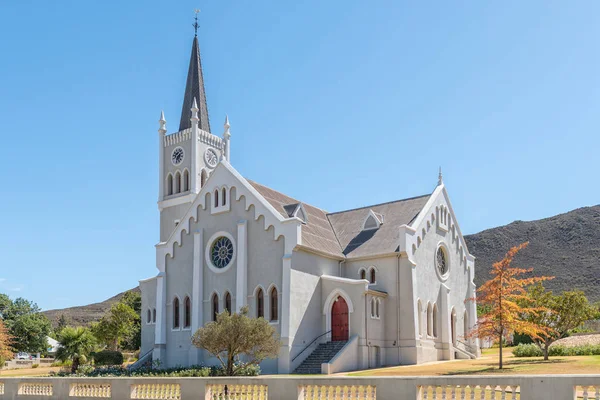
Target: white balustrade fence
column 535, row 387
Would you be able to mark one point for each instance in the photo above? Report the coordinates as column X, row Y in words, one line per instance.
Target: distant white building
column 384, row 285
column 53, row 345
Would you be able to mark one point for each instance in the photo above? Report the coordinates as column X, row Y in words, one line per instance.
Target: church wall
column 179, row 283
column 386, row 280
column 306, row 314
column 264, row 256
column 148, row 294
column 429, row 287
column 168, row 217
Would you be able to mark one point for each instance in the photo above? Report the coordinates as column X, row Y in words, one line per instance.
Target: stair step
column 322, row 354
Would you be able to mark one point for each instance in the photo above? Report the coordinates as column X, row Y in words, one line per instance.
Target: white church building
column 386, row 284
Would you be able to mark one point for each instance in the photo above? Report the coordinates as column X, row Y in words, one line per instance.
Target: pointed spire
column 226, row 126
column 162, row 123
column 194, row 90
column 440, row 181
column 194, row 110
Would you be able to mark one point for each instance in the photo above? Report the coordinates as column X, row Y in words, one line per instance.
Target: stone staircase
column 322, row 354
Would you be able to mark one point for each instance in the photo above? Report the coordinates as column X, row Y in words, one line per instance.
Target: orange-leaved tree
column 6, row 351
column 506, row 300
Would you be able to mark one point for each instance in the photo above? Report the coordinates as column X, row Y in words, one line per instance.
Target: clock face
column 177, row 156
column 211, row 158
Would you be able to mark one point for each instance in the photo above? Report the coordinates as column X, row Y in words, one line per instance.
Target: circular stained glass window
column 221, row 252
column 440, row 261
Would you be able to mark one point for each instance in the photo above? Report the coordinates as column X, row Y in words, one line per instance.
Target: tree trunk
column 546, row 345
column 500, row 359
column 75, row 365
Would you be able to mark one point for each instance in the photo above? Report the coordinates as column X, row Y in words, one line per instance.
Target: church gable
column 216, row 191
column 437, row 216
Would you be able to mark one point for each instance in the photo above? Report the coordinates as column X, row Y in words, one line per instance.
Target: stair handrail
column 133, row 366
column 467, row 346
column 310, row 344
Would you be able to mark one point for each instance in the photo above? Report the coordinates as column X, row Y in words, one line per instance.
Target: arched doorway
column 339, row 320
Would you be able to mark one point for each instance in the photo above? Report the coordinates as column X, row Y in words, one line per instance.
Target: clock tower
column 188, row 156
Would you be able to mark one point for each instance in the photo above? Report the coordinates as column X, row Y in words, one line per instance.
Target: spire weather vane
column 195, row 24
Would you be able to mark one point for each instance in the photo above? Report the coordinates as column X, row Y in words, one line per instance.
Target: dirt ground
column 488, row 364
column 41, row 371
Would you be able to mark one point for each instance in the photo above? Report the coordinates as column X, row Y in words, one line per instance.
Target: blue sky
column 338, row 103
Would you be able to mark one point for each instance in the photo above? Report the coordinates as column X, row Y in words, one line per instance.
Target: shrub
column 61, row 363
column 35, row 365
column 197, row 371
column 521, row 339
column 585, row 350
column 108, row 357
column 531, row 350
column 527, row 350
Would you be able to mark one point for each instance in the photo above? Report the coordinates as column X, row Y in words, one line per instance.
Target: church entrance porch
column 339, row 320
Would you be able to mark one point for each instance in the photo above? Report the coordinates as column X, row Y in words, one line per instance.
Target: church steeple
column 194, row 89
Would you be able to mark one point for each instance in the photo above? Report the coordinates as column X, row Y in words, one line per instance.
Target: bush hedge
column 197, row 371
column 108, row 357
column 531, row 350
column 527, row 350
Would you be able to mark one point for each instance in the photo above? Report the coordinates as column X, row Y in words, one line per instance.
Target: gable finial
column 195, row 24
column 162, row 123
column 440, row 181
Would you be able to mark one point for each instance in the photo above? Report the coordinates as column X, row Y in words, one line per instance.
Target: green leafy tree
column 5, row 303
column 564, row 313
column 233, row 335
column 26, row 324
column 76, row 344
column 133, row 341
column 117, row 325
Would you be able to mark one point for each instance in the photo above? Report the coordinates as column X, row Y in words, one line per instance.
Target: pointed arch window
column 187, row 313
column 260, row 304
column 420, row 317
column 372, row 276
column 154, row 315
column 363, row 274
column 149, row 317
column 377, row 304
column 228, row 302
column 372, row 307
column 224, row 196
column 273, row 300
column 429, row 322
column 177, row 182
column 186, row 180
column 435, row 321
column 176, row 313
column 169, row 185
column 203, row 178
column 216, row 202
column 215, row 306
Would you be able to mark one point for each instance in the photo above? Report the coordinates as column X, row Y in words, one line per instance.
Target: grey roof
column 194, row 88
column 355, row 242
column 340, row 234
column 317, row 233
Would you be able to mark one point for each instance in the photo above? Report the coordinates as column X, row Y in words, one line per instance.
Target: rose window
column 221, row 252
column 440, row 261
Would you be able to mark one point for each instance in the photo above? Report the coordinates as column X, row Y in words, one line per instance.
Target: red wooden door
column 339, row 320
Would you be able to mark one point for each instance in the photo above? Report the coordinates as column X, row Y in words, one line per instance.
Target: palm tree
column 76, row 344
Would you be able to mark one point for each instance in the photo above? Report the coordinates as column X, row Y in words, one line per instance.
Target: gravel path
column 581, row 340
